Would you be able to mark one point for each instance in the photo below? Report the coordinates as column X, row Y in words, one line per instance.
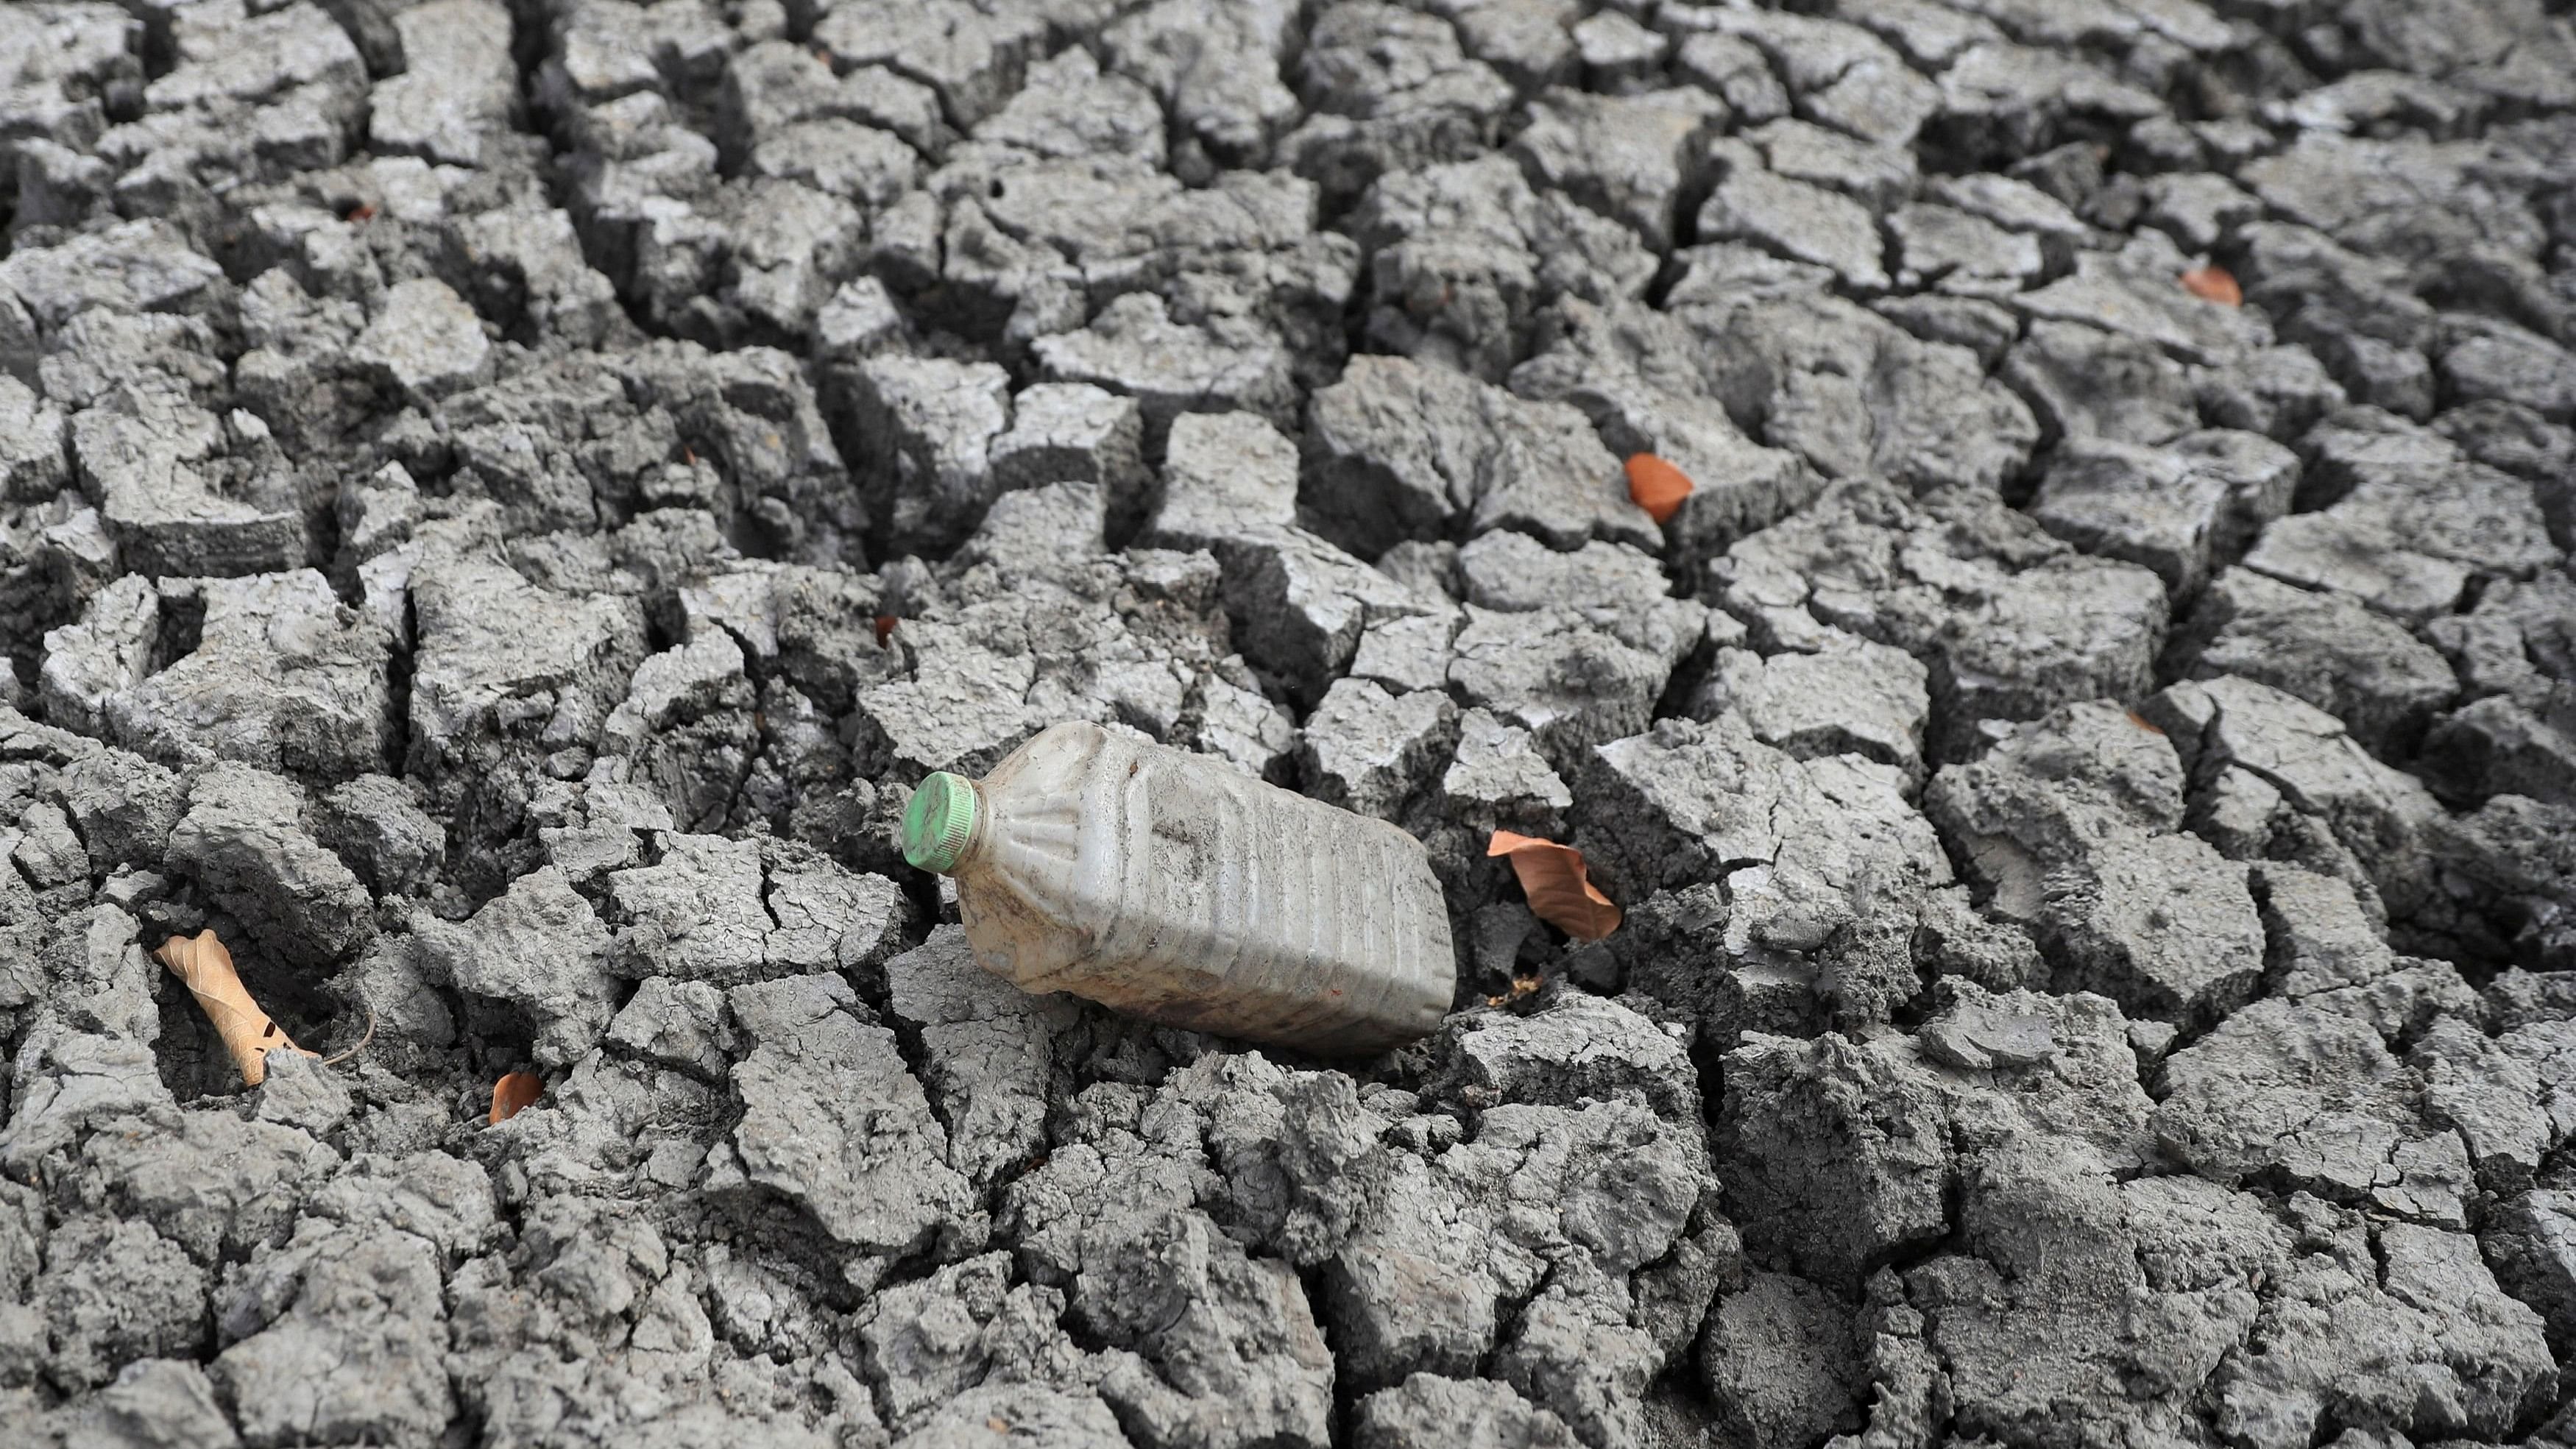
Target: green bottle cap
column 939, row 821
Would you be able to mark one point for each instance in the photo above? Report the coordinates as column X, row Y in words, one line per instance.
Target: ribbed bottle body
column 1176, row 887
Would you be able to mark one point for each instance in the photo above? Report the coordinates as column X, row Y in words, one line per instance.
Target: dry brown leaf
column 1521, row 986
column 885, row 628
column 512, row 1095
column 2142, row 722
column 206, row 968
column 2214, row 284
column 1560, row 891
column 1656, row 486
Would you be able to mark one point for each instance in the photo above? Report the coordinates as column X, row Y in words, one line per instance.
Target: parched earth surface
column 499, row 503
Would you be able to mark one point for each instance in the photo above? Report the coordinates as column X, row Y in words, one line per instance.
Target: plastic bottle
column 1179, row 888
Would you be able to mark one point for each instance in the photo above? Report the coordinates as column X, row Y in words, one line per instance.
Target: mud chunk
column 2532, row 1243
column 34, row 462
column 244, row 841
column 1779, row 1360
column 425, row 342
column 1234, row 1358
column 1427, row 1409
column 158, row 1401
column 2289, row 1093
column 1548, row 671
column 457, row 87
column 1137, row 349
column 1855, row 394
column 2179, row 510
column 730, row 911
column 1853, row 696
column 1496, row 780
column 1641, row 377
column 2085, row 383
column 931, row 470
column 2360, row 667
column 1401, row 450
column 2161, row 924
column 1369, row 751
column 2314, row 769
column 2438, row 1315
column 972, row 58
column 284, row 677
column 935, row 1342
column 114, row 1292
column 538, row 954
column 1628, row 157
column 1072, row 432
column 1462, row 256
column 508, row 677
column 1805, row 223
column 990, row 1051
column 2324, row 949
column 833, row 1124
column 1389, row 90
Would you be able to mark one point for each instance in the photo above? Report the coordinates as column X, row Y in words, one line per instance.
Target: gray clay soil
column 501, row 499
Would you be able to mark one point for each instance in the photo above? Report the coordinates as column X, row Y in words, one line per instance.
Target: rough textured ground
column 498, row 502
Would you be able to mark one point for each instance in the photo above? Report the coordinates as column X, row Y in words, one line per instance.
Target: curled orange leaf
column 1656, row 486
column 512, row 1095
column 202, row 963
column 2214, row 284
column 1560, row 890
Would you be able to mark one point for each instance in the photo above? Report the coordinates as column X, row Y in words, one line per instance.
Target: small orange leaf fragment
column 1560, row 890
column 1656, row 486
column 2214, row 284
column 202, row 963
column 512, row 1095
column 363, row 211
column 2142, row 722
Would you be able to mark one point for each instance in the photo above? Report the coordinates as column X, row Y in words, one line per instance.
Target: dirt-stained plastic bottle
column 1179, row 888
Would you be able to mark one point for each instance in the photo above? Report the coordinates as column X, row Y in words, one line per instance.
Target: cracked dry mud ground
column 499, row 502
